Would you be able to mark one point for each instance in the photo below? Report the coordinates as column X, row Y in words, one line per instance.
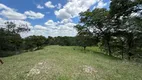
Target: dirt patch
column 89, row 69
column 38, row 68
column 44, row 67
column 33, row 71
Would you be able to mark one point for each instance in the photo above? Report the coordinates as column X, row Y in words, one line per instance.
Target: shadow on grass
column 105, row 55
column 98, row 52
column 9, row 53
column 13, row 53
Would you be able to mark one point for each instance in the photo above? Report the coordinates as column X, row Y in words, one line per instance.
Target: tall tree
column 126, row 16
column 98, row 20
column 84, row 37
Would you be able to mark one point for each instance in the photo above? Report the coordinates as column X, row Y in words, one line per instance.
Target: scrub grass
column 68, row 63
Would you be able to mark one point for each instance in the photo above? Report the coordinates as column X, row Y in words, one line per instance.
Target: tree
column 127, row 24
column 34, row 42
column 1, row 61
column 85, row 37
column 98, row 20
column 10, row 38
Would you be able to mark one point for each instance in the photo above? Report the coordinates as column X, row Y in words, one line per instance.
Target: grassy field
column 68, row 63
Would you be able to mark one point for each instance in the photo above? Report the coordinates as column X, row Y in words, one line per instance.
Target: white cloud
column 10, row 13
column 2, row 6
column 40, row 7
column 50, row 23
column 51, row 28
column 62, row 14
column 13, row 15
column 63, row 28
column 59, row 6
column 66, row 21
column 37, row 30
column 39, row 27
column 49, row 4
column 101, row 4
column 34, row 15
column 73, row 8
column 1, row 20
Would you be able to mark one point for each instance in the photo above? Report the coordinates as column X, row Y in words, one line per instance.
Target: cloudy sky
column 47, row 17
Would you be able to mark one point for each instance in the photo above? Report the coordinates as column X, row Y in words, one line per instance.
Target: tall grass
column 68, row 63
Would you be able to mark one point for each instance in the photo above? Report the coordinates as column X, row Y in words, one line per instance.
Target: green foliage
column 118, row 29
column 128, row 26
column 63, row 41
column 85, row 37
column 97, row 20
column 10, row 40
column 124, row 7
column 34, row 42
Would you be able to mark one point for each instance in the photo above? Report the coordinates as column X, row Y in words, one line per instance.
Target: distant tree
column 40, row 41
column 51, row 40
column 34, row 42
column 85, row 37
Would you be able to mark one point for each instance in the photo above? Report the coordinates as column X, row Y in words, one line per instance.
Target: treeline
column 11, row 43
column 119, row 29
column 72, row 41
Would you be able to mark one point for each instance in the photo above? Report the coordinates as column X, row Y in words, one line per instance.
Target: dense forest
column 117, row 31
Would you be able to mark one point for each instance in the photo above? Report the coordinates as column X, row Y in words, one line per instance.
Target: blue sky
column 47, row 17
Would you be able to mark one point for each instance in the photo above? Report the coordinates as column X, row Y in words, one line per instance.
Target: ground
column 68, row 63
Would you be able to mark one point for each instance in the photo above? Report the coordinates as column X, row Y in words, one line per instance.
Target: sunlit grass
column 68, row 63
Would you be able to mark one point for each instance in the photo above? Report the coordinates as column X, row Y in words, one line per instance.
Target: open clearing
column 68, row 63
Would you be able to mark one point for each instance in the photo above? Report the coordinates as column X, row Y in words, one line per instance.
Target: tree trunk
column 130, row 45
column 122, row 48
column 129, row 55
column 84, row 47
column 107, row 37
column 1, row 61
column 109, row 49
column 122, row 54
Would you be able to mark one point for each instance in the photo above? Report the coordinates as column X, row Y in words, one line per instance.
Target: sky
column 47, row 17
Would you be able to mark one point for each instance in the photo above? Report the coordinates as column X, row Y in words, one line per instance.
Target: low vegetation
column 68, row 63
